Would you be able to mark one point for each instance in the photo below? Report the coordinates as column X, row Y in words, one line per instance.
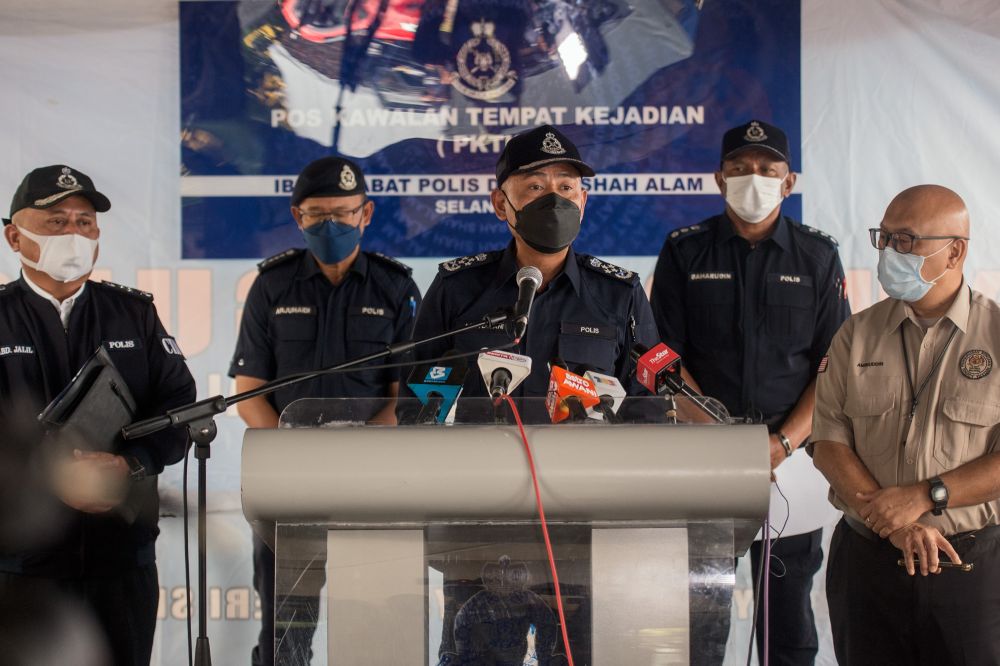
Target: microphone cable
column 545, row 527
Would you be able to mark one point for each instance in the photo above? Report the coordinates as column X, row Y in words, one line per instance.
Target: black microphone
column 529, row 279
column 610, row 390
column 437, row 387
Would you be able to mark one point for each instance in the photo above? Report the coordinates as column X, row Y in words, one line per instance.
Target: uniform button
column 909, row 461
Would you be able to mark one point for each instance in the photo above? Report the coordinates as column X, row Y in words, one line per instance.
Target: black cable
column 761, row 571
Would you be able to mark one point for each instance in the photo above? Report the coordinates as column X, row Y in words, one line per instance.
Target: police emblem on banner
column 484, row 65
column 755, row 132
column 976, row 363
column 348, row 181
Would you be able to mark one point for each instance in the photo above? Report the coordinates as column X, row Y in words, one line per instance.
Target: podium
column 417, row 545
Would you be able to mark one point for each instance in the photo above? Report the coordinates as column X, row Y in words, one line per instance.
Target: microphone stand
column 199, row 419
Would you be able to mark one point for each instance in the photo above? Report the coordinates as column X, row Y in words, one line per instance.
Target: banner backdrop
column 425, row 95
column 893, row 93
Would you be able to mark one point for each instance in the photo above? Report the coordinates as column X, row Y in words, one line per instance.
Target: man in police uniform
column 750, row 299
column 315, row 308
column 52, row 320
column 905, row 429
column 587, row 312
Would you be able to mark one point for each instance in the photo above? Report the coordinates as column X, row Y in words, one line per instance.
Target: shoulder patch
column 813, row 231
column 687, row 231
column 279, row 259
column 604, row 268
column 131, row 291
column 460, row 264
column 389, row 261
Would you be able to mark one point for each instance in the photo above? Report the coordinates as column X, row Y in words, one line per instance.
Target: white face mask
column 901, row 275
column 753, row 197
column 65, row 257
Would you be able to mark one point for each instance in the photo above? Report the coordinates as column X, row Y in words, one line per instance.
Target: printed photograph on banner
column 423, row 95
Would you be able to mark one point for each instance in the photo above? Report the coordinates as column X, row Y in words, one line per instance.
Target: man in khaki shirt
column 905, row 430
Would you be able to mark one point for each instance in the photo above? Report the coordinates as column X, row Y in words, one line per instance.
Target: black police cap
column 44, row 187
column 328, row 177
column 756, row 134
column 535, row 148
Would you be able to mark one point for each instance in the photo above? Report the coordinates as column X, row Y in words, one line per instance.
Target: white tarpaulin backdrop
column 894, row 93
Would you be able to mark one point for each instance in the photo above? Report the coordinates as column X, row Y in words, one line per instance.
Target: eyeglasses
column 335, row 215
column 900, row 241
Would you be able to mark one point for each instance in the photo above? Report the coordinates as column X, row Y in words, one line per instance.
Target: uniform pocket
column 875, row 420
column 963, row 428
column 791, row 307
column 367, row 334
column 295, row 327
column 711, row 308
column 597, row 353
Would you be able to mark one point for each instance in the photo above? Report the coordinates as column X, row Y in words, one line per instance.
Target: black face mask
column 547, row 224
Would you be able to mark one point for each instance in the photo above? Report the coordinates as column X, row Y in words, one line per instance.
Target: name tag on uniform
column 123, row 345
column 294, row 310
column 8, row 350
column 593, row 330
column 369, row 311
column 701, row 277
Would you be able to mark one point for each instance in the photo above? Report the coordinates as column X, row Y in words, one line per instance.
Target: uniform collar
column 781, row 234
column 507, row 268
column 309, row 267
column 65, row 307
column 958, row 312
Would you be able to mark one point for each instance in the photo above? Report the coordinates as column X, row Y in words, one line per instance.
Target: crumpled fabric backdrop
column 894, row 93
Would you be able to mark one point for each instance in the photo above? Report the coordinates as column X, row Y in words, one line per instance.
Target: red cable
column 545, row 528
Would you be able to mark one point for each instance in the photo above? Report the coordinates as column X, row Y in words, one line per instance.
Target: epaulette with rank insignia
column 398, row 265
column 687, row 231
column 813, row 231
column 4, row 291
column 131, row 291
column 455, row 265
column 604, row 268
column 279, row 259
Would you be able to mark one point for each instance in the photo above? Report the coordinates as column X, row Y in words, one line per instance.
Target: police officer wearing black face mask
column 311, row 309
column 587, row 312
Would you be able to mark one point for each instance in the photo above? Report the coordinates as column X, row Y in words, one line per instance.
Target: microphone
column 569, row 395
column 503, row 371
column 437, row 387
column 611, row 393
column 659, row 370
column 529, row 279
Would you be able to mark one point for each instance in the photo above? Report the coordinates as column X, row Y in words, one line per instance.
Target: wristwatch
column 136, row 470
column 939, row 495
column 786, row 444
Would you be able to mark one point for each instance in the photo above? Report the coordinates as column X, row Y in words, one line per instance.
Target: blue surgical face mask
column 332, row 241
column 900, row 276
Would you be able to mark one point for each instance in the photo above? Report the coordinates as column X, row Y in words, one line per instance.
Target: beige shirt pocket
column 962, row 432
column 874, row 413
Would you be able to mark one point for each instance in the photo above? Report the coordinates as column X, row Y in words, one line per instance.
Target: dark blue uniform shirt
column 750, row 322
column 38, row 358
column 590, row 314
column 296, row 320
